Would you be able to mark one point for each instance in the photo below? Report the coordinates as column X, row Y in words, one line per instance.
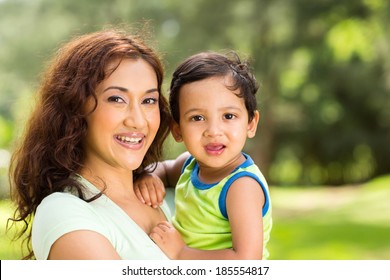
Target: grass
column 316, row 223
column 343, row 223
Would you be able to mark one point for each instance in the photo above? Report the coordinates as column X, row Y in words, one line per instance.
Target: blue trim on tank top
column 203, row 186
column 222, row 196
column 197, row 183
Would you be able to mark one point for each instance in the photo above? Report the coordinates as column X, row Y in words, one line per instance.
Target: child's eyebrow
column 227, row 108
column 192, row 110
column 236, row 108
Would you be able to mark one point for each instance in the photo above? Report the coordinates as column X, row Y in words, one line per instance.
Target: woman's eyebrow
column 126, row 90
column 116, row 87
column 151, row 90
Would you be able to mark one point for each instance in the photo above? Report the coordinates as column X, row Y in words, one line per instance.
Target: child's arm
column 150, row 187
column 244, row 203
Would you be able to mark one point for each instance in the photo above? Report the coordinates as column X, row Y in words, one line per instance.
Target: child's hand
column 168, row 239
column 150, row 190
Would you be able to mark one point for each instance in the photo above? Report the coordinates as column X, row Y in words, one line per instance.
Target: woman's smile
column 132, row 141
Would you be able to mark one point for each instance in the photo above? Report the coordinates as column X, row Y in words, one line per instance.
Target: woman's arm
column 82, row 245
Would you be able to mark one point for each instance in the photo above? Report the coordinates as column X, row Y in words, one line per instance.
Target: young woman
column 100, row 118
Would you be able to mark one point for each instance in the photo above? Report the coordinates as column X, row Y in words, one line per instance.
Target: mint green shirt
column 201, row 215
column 61, row 213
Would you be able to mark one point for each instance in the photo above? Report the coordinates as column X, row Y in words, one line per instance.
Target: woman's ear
column 252, row 126
column 176, row 132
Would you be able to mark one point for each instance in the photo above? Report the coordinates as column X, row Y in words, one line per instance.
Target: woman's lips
column 131, row 141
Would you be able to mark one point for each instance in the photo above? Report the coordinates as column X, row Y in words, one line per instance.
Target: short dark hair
column 209, row 64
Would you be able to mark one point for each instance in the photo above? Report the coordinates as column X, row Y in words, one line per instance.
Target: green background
column 324, row 73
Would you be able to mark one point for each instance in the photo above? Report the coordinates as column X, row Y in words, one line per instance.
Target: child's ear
column 176, row 132
column 252, row 126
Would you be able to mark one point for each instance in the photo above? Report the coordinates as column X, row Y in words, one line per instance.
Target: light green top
column 201, row 215
column 61, row 213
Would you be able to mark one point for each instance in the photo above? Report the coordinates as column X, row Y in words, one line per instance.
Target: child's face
column 213, row 122
column 126, row 119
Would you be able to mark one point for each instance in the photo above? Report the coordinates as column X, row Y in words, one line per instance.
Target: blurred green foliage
column 323, row 66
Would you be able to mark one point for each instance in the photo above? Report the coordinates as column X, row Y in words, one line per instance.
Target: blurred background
column 324, row 73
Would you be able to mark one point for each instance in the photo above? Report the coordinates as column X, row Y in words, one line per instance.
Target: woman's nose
column 135, row 117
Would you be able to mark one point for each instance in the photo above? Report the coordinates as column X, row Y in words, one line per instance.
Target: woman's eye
column 229, row 116
column 197, row 118
column 150, row 101
column 116, row 99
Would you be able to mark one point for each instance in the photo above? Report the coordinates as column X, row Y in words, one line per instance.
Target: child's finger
column 156, row 234
column 153, row 195
column 155, row 237
column 145, row 194
column 138, row 194
column 160, row 192
column 165, row 226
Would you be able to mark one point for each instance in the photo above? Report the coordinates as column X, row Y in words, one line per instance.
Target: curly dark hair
column 210, row 64
column 51, row 151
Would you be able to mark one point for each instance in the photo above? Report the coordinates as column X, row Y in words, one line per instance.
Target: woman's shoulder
column 62, row 206
column 61, row 199
column 60, row 213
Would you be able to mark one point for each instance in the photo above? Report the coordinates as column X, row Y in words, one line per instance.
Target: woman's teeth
column 129, row 140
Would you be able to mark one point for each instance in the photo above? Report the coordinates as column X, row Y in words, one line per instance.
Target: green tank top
column 201, row 215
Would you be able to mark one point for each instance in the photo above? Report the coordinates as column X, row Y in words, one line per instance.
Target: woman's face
column 126, row 119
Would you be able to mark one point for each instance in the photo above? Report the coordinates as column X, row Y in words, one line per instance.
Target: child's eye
column 150, row 101
column 197, row 118
column 229, row 116
column 116, row 99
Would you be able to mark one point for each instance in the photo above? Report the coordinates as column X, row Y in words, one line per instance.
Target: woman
column 100, row 119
